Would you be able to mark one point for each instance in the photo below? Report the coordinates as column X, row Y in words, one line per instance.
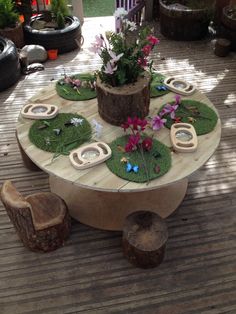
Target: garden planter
column 9, row 64
column 116, row 104
column 181, row 23
column 15, row 34
column 65, row 40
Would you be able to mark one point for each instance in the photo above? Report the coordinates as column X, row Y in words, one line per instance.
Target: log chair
column 41, row 219
column 144, row 238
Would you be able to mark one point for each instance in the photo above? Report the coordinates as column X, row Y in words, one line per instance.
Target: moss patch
column 68, row 92
column 69, row 138
column 205, row 118
column 158, row 158
column 157, row 80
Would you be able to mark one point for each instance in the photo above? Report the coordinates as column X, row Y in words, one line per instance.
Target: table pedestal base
column 107, row 210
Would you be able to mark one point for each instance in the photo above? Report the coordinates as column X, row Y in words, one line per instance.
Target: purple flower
column 97, row 45
column 171, row 110
column 114, row 58
column 109, row 68
column 158, row 123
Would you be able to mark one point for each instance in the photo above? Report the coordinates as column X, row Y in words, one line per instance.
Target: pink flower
column 142, row 62
column 97, row 45
column 146, row 50
column 170, row 109
column 153, row 40
column 132, row 143
column 147, row 143
column 177, row 99
column 135, row 123
column 109, row 68
column 158, row 123
column 115, row 58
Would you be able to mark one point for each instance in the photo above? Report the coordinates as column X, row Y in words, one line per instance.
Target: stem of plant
column 144, row 163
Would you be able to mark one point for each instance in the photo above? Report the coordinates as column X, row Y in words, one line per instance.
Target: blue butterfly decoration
column 130, row 168
column 161, row 87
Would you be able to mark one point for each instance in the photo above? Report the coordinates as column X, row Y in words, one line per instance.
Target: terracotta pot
column 116, row 104
column 52, row 54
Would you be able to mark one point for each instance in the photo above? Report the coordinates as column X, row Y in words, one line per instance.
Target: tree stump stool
column 222, row 47
column 144, row 238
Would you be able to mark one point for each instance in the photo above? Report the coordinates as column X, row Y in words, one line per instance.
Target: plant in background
column 60, row 10
column 8, row 15
column 123, row 60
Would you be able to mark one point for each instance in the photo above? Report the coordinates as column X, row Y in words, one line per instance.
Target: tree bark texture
column 116, row 104
column 26, row 214
column 144, row 238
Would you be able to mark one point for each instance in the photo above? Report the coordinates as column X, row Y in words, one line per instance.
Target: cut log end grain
column 144, row 238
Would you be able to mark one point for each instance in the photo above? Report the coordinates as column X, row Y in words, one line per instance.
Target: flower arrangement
column 123, row 61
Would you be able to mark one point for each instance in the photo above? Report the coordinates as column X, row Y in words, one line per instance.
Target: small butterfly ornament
column 161, row 88
column 130, row 168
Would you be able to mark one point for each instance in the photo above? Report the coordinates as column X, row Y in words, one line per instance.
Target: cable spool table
column 97, row 197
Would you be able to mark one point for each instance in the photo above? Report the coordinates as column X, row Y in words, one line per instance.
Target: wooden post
column 77, row 10
column 222, row 47
column 149, row 10
column 144, row 238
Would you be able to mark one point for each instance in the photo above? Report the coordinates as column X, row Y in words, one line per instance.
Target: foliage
column 8, row 14
column 124, row 60
column 60, row 10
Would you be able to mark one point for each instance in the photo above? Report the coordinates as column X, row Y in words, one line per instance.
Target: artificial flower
column 147, row 143
column 146, row 50
column 120, row 13
column 110, row 68
column 170, row 109
column 158, row 122
column 132, row 143
column 76, row 121
column 131, row 25
column 153, row 40
column 97, row 128
column 114, row 57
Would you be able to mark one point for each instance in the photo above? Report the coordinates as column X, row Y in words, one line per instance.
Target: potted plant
column 10, row 27
column 185, row 19
column 54, row 29
column 123, row 85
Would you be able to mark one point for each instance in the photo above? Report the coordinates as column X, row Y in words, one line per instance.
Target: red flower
column 177, row 119
column 147, row 143
column 142, row 62
column 132, row 143
column 153, row 40
column 147, row 49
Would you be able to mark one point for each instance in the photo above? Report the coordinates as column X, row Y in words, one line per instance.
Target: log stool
column 144, row 238
column 222, row 47
column 41, row 219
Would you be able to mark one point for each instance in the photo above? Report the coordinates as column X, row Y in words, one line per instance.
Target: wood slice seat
column 41, row 219
column 144, row 238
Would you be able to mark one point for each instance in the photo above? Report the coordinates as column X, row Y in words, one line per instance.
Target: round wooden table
column 96, row 196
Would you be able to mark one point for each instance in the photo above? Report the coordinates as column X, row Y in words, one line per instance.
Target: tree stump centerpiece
column 116, row 104
column 123, row 83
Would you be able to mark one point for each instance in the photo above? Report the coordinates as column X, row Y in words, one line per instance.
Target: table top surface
column 100, row 177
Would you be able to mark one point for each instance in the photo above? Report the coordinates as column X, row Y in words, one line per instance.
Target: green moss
column 70, row 137
column 66, row 91
column 205, row 121
column 157, row 80
column 158, row 156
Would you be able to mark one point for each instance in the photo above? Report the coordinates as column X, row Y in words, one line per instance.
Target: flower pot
column 15, row 34
column 52, row 54
column 116, row 104
column 182, row 23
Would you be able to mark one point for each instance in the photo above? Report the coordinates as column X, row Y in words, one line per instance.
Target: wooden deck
column 89, row 274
